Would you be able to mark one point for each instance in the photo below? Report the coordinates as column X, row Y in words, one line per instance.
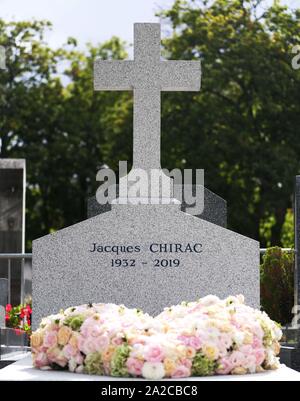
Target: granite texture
column 215, row 207
column 66, row 272
column 3, row 291
column 147, row 75
column 2, row 316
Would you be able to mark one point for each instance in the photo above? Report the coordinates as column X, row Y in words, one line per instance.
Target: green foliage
column 93, row 364
column 202, row 366
column 242, row 127
column 75, row 322
column 277, row 284
column 287, row 232
column 19, row 317
column 118, row 362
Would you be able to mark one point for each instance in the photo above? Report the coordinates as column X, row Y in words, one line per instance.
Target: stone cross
column 147, row 76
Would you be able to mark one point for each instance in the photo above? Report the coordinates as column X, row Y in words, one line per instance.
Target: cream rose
column 36, row 340
column 64, row 335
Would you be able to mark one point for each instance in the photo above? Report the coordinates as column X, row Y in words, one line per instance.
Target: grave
column 143, row 255
column 12, row 220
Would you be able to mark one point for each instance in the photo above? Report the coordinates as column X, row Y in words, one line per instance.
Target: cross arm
column 180, row 75
column 112, row 75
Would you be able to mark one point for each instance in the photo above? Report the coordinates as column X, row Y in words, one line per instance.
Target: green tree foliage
column 242, row 128
column 277, row 284
column 51, row 116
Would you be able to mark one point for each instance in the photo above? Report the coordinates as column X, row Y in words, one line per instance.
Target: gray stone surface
column 147, row 75
column 66, row 272
column 2, row 316
column 3, row 291
column 215, row 207
column 3, row 300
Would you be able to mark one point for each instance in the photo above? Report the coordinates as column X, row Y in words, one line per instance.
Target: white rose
column 79, row 369
column 72, row 365
column 239, row 338
column 209, row 300
column 153, row 370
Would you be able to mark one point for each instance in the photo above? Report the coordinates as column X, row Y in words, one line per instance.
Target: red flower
column 8, row 308
column 28, row 309
column 7, row 317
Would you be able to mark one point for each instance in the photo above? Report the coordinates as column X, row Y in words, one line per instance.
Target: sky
column 88, row 20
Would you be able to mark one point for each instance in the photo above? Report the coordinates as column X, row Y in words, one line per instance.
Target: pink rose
column 87, row 346
column 186, row 362
column 117, row 341
column 101, row 342
column 41, row 360
column 195, row 342
column 79, row 359
column 57, row 356
column 237, row 359
column 181, row 371
column 154, row 353
column 50, row 339
column 259, row 354
column 257, row 342
column 191, row 341
column 134, row 366
column 69, row 351
column 225, row 366
column 91, row 327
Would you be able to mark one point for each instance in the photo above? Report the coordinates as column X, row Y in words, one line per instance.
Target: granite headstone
column 146, row 256
column 215, row 207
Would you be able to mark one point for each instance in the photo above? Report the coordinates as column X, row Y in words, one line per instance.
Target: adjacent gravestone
column 3, row 300
column 215, row 207
column 297, row 242
column 12, row 219
column 147, row 256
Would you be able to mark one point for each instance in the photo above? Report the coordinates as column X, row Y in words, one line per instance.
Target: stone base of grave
column 23, row 371
column 290, row 356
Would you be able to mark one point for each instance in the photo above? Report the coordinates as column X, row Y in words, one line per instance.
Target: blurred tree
column 243, row 126
column 51, row 116
column 277, row 284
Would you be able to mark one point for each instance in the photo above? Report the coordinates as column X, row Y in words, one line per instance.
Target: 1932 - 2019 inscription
column 162, row 254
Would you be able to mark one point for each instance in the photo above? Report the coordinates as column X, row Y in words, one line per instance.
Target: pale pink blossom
column 237, row 358
column 69, row 351
column 41, row 360
column 50, row 339
column 154, row 353
column 260, row 355
column 225, row 366
column 134, row 366
column 181, row 371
